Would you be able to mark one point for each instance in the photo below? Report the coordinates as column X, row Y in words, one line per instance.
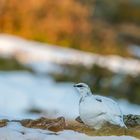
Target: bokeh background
column 47, row 45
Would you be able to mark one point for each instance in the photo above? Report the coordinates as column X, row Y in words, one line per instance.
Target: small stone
column 132, row 120
column 3, row 122
column 78, row 119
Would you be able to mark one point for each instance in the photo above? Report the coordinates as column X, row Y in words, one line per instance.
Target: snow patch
column 14, row 131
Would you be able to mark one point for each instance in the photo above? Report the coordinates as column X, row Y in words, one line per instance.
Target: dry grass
column 59, row 124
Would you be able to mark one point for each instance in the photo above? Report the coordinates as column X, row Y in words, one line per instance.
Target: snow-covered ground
column 21, row 91
column 15, row 131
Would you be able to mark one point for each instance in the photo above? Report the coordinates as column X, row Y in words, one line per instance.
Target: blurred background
column 46, row 46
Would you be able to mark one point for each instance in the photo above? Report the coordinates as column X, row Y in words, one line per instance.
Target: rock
column 45, row 123
column 132, row 120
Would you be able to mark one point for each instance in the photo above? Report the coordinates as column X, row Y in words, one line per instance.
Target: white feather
column 96, row 110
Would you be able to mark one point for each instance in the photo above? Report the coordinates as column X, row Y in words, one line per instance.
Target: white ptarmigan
column 96, row 110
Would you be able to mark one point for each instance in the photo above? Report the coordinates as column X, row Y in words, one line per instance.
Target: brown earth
column 59, row 124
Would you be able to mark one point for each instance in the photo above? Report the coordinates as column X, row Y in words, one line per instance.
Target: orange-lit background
column 96, row 25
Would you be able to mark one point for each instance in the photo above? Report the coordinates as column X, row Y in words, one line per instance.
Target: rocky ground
column 59, row 124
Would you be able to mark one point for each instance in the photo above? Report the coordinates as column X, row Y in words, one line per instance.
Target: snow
column 14, row 131
column 21, row 91
column 128, row 108
column 34, row 52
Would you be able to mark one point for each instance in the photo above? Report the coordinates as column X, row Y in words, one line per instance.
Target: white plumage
column 96, row 110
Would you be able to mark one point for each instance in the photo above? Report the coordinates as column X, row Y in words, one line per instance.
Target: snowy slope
column 32, row 52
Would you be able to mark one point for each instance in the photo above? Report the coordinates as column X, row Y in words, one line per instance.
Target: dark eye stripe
column 79, row 85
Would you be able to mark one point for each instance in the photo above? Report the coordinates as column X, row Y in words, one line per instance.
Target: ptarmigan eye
column 80, row 86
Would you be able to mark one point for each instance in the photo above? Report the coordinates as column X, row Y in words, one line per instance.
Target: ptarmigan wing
column 111, row 106
column 113, row 110
column 91, row 108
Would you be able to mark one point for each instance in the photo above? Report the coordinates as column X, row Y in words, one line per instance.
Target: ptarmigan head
column 83, row 89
